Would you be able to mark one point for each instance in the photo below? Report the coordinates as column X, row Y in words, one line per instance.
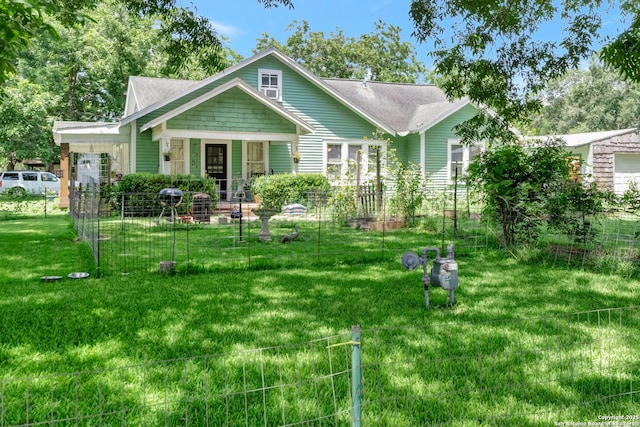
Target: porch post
column 64, row 179
column 165, row 147
column 295, row 150
column 423, row 155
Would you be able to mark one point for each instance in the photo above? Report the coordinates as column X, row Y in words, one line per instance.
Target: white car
column 21, row 183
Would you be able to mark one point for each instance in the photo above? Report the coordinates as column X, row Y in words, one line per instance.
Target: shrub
column 409, row 192
column 529, row 187
column 275, row 191
column 140, row 190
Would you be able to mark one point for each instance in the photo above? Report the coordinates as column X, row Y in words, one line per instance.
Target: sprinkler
column 443, row 274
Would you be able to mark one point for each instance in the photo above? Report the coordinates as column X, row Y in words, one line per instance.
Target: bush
column 139, row 188
column 530, row 187
column 275, row 191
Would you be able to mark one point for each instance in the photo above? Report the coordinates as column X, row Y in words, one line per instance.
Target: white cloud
column 380, row 5
column 225, row 30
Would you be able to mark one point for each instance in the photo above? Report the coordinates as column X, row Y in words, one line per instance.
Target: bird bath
column 265, row 215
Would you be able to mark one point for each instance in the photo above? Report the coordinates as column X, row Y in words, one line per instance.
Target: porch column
column 295, row 151
column 165, row 147
column 423, row 155
column 64, row 179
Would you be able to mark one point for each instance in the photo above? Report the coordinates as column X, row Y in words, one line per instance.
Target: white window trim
column 245, row 156
column 185, row 154
column 344, row 164
column 278, row 73
column 465, row 157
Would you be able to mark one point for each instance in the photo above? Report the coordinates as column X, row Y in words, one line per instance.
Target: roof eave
column 102, row 129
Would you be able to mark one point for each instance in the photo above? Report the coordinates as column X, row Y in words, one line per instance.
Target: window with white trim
column 355, row 156
column 460, row 156
column 270, row 83
column 334, row 161
column 254, row 163
column 177, row 157
column 342, row 158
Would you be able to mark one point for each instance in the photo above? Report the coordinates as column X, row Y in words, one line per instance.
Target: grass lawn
column 507, row 351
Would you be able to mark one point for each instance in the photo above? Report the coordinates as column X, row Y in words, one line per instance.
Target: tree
column 526, row 187
column 587, row 101
column 20, row 21
column 493, row 52
column 89, row 66
column 185, row 33
column 82, row 73
column 25, row 127
column 379, row 55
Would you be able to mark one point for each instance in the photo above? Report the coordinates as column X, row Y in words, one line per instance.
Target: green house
column 265, row 115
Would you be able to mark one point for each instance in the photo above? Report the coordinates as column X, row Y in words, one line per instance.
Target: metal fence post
column 356, row 383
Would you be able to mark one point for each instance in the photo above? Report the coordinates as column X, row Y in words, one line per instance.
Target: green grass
column 241, row 346
column 137, row 243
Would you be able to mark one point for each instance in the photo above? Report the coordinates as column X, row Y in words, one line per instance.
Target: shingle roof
column 404, row 107
column 149, row 90
column 400, row 107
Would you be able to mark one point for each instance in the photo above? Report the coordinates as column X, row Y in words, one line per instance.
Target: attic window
column 270, row 83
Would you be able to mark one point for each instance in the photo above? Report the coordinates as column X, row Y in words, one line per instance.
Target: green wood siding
column 236, row 159
column 233, row 110
column 330, row 119
column 148, row 154
column 194, row 154
column 279, row 158
column 437, row 146
column 405, row 148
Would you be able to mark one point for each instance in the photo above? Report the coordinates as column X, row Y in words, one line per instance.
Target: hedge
column 140, row 191
column 275, row 191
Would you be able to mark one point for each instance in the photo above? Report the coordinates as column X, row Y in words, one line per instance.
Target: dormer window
column 270, row 83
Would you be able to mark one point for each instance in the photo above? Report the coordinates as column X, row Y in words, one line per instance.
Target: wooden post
column 358, row 188
column 64, row 179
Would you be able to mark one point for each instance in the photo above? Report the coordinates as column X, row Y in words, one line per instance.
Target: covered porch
column 91, row 154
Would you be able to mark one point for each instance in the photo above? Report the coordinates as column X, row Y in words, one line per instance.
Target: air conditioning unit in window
column 272, row 93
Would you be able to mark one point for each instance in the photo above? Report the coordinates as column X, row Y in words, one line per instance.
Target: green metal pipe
column 356, row 382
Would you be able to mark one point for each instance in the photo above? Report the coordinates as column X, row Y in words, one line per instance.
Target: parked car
column 21, row 183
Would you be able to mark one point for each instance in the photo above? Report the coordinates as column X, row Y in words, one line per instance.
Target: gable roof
column 235, row 83
column 177, row 94
column 148, row 90
column 396, row 108
column 404, row 107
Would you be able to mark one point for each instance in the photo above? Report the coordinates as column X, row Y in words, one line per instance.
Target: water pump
column 443, row 274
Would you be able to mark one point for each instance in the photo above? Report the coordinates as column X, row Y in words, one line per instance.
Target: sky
column 242, row 22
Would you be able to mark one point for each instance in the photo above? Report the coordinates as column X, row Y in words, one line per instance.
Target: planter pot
column 167, row 158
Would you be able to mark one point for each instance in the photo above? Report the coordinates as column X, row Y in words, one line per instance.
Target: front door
column 216, row 166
